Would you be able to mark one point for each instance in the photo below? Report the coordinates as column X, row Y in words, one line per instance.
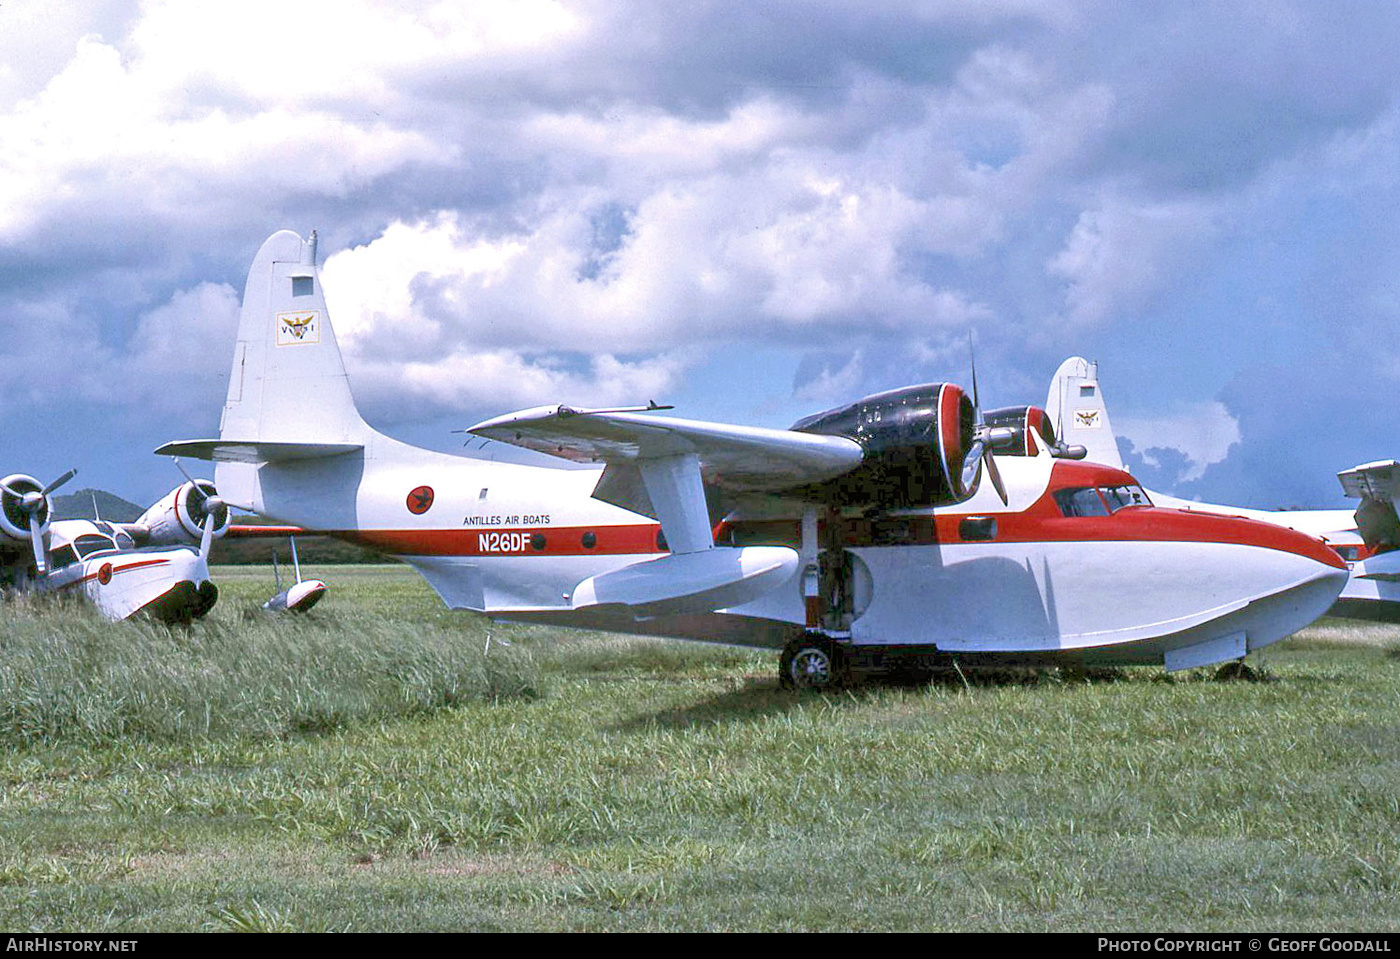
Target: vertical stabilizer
column 1076, row 408
column 288, row 382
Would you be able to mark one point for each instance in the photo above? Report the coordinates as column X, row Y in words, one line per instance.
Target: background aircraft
column 862, row 535
column 1368, row 539
column 147, row 566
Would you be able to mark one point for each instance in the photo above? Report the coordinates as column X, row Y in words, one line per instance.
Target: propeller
column 206, row 506
column 984, row 438
column 32, row 503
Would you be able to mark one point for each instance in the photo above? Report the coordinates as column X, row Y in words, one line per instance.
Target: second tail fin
column 1076, row 408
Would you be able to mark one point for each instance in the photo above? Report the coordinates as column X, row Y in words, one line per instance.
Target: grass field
column 571, row 781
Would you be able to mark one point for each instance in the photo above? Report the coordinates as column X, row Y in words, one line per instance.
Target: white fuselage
column 170, row 583
column 1372, row 590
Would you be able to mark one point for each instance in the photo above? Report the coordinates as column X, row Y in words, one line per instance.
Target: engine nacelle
column 178, row 517
column 1025, row 421
column 14, row 520
column 915, row 440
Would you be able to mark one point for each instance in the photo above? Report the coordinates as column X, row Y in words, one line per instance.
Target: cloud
column 577, row 200
column 1120, row 253
column 1184, row 442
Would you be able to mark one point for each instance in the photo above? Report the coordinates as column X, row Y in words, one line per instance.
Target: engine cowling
column 178, row 517
column 14, row 520
column 1025, row 421
column 914, row 440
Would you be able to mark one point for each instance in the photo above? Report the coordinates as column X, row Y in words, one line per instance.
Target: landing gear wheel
column 812, row 662
column 1236, row 671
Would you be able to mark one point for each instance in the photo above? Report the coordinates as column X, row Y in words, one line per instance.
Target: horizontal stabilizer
column 691, row 582
column 232, row 451
column 1379, row 480
column 1376, row 485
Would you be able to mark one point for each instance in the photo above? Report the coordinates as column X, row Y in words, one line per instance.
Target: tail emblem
column 1087, row 419
column 297, row 328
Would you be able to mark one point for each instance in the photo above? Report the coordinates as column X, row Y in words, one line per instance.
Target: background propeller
column 205, row 506
column 31, row 503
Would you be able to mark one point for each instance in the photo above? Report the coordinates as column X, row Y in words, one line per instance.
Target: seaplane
column 156, row 566
column 902, row 530
column 1367, row 538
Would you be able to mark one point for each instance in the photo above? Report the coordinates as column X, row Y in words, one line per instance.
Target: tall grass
column 66, row 673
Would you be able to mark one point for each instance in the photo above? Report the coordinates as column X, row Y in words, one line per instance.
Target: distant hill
column 109, row 506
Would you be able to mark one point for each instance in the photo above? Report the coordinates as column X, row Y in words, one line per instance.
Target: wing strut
column 678, row 496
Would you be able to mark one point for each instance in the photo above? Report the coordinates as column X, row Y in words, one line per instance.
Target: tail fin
column 1076, row 408
column 288, row 395
column 288, row 383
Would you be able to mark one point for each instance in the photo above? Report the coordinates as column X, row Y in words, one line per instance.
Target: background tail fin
column 1076, row 408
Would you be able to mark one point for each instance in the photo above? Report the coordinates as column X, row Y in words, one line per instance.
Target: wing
column 1376, row 485
column 739, row 459
column 659, row 465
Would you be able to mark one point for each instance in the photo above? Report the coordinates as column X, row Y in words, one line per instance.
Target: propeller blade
column 206, row 540
column 976, row 403
column 970, row 463
column 181, row 467
column 995, row 474
column 36, row 539
column 60, row 481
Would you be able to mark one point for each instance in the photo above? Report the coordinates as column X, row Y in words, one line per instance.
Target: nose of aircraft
column 1282, row 579
column 191, row 594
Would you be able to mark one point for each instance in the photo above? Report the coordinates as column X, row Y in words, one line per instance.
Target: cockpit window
column 61, row 557
column 1084, row 501
column 1101, row 501
column 1118, row 497
column 90, row 543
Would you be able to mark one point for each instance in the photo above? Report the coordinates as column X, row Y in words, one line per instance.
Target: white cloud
column 1203, row 432
column 1122, row 252
column 571, row 199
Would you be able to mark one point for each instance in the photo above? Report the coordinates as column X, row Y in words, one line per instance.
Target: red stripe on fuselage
column 1043, row 522
column 117, row 569
column 558, row 540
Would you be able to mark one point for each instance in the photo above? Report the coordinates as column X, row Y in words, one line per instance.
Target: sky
column 751, row 210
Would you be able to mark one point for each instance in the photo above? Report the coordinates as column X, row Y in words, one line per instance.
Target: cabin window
column 537, row 541
column 90, row 543
column 62, row 556
column 1084, row 501
column 978, row 528
column 590, row 539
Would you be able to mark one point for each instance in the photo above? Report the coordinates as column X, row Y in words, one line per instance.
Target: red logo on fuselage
column 420, row 500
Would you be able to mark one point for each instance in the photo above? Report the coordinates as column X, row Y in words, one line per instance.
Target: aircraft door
column 846, row 585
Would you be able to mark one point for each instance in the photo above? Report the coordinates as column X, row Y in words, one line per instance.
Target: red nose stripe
column 1150, row 524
